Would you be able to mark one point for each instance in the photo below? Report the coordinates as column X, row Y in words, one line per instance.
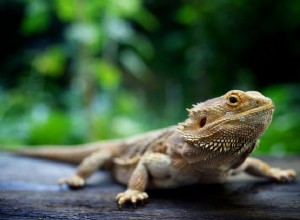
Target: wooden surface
column 28, row 190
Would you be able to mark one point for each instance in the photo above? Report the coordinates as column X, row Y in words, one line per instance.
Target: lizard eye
column 233, row 100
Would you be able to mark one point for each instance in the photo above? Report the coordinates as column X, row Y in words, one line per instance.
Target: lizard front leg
column 155, row 164
column 256, row 167
column 86, row 168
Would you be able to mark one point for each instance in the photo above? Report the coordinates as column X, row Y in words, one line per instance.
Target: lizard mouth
column 262, row 110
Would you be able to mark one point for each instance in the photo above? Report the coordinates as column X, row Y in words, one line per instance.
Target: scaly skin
column 212, row 144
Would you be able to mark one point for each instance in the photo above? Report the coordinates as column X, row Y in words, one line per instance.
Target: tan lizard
column 212, row 144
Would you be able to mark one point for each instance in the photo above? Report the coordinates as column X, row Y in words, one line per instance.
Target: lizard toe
column 73, row 181
column 283, row 176
column 132, row 196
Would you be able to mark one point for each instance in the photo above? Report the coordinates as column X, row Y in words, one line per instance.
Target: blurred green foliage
column 74, row 71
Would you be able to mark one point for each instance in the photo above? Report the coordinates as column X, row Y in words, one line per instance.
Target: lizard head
column 229, row 122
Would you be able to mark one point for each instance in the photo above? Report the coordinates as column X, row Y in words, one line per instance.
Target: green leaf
column 65, row 9
column 49, row 127
column 125, row 8
column 108, row 74
column 85, row 33
column 51, row 62
column 37, row 17
column 187, row 15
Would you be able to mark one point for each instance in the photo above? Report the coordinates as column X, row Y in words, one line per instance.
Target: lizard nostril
column 202, row 122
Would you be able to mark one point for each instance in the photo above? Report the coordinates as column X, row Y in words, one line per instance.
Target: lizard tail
column 69, row 154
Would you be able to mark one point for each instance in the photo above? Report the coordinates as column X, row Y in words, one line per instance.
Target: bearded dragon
column 213, row 143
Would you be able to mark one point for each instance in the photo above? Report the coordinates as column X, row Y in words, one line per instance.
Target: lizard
column 213, row 143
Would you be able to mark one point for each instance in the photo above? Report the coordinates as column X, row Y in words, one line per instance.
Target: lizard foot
column 74, row 181
column 280, row 175
column 131, row 195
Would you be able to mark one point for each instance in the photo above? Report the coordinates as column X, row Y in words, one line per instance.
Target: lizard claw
column 74, row 181
column 131, row 195
column 280, row 175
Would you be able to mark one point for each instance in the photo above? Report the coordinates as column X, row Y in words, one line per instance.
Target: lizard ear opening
column 202, row 122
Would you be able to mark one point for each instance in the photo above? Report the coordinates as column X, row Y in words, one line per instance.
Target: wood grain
column 28, row 190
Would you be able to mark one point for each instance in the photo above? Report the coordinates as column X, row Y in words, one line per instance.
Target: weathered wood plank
column 28, row 190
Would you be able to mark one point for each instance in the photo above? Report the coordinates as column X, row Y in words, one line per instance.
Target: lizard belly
column 173, row 180
column 163, row 174
column 172, row 177
column 123, row 173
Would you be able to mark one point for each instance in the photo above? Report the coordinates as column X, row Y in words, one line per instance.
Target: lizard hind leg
column 86, row 168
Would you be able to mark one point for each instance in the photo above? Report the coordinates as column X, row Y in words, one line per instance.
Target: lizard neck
column 191, row 158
